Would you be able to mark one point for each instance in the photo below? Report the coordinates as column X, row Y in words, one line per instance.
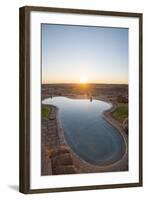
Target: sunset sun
column 83, row 80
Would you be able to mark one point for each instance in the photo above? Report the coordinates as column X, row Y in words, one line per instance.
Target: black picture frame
column 24, row 142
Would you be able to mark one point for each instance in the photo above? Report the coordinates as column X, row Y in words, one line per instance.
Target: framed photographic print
column 80, row 99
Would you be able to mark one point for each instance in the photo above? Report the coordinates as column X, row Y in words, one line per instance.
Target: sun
column 83, row 80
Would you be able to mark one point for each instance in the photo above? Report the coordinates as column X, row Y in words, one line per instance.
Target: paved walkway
column 49, row 140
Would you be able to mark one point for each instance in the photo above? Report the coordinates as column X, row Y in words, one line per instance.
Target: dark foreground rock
column 125, row 125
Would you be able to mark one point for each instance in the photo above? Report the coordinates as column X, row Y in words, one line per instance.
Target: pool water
column 86, row 132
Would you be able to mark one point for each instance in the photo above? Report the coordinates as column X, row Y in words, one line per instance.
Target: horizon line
column 89, row 83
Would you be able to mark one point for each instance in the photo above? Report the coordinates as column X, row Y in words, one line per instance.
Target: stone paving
column 49, row 140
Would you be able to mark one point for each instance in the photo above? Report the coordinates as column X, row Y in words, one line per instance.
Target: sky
column 84, row 54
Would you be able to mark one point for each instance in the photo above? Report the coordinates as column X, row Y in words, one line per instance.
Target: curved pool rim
column 121, row 132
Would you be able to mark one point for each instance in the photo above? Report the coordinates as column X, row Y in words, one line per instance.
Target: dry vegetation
column 110, row 92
